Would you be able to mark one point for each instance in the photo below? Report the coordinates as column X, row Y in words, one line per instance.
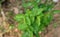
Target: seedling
column 35, row 18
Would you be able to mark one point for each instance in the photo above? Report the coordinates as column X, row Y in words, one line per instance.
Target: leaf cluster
column 37, row 16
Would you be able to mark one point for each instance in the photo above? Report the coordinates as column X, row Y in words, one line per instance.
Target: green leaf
column 27, row 20
column 49, row 7
column 31, row 28
column 56, row 11
column 37, row 11
column 26, row 5
column 18, row 17
column 22, row 26
column 38, row 21
column 29, row 16
column 11, row 26
column 32, row 18
column 41, row 27
column 27, row 34
column 28, row 13
column 41, row 5
column 47, row 18
column 38, row 1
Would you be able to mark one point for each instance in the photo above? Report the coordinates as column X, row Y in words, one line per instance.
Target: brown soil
column 53, row 28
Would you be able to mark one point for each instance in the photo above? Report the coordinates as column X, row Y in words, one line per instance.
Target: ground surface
column 53, row 28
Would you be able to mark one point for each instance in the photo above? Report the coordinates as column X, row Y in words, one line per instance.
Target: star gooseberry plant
column 36, row 17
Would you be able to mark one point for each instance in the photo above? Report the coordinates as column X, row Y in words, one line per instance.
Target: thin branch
column 3, row 15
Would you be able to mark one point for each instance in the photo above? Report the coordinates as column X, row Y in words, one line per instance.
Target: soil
column 53, row 29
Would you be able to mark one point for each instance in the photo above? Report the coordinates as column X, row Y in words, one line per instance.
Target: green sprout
column 36, row 18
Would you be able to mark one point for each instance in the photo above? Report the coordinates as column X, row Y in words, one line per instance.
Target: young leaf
column 32, row 18
column 27, row 20
column 27, row 34
column 38, row 20
column 18, row 17
column 28, row 13
column 56, row 11
column 22, row 26
column 37, row 11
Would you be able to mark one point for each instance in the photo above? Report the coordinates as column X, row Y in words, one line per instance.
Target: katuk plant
column 36, row 17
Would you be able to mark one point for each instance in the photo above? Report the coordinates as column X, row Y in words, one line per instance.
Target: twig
column 3, row 15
